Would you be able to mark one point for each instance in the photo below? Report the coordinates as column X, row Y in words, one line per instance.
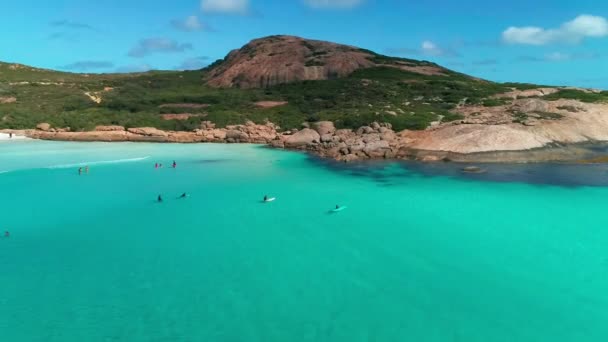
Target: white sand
column 6, row 136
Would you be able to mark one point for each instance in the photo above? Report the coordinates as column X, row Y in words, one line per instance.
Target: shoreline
column 321, row 139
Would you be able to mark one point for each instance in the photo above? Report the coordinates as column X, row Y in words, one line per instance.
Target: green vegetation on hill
column 403, row 98
column 583, row 96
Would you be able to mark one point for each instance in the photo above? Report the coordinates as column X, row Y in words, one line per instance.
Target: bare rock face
column 532, row 105
column 283, row 59
column 302, row 138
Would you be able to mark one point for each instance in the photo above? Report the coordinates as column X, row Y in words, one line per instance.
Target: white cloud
column 225, row 6
column 583, row 26
column 431, row 49
column 334, row 4
column 190, row 24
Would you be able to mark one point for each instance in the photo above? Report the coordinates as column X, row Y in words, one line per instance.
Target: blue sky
column 556, row 42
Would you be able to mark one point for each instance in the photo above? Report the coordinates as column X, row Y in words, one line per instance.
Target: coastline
column 374, row 142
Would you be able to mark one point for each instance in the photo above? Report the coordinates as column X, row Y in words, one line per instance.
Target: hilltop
column 283, row 79
column 277, row 60
column 291, row 81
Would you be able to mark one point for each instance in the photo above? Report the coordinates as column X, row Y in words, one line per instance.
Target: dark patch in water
column 568, row 175
column 553, row 174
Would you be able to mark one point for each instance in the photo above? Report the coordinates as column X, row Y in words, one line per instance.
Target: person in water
column 174, row 164
column 86, row 169
column 160, row 198
column 156, row 166
column 184, row 195
column 79, row 171
column 7, row 234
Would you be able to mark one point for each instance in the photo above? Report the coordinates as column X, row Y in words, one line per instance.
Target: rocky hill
column 288, row 83
column 276, row 60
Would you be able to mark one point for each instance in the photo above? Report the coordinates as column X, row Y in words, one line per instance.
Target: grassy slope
column 366, row 96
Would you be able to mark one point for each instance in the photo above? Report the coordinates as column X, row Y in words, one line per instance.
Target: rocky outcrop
column 109, row 128
column 370, row 142
column 248, row 133
column 487, row 135
column 148, row 131
column 283, row 59
column 43, row 126
column 302, row 138
column 324, row 127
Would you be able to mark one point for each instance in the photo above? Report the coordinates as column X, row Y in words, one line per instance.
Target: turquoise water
column 415, row 257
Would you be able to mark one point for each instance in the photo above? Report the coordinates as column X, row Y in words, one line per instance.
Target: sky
column 553, row 42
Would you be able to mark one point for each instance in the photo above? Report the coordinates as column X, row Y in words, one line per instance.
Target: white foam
column 103, row 162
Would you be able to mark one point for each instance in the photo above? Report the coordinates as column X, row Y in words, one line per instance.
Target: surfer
column 184, row 195
column 160, row 199
column 265, row 198
column 337, row 207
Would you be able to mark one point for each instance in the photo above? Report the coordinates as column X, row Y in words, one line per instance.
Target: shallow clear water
column 421, row 254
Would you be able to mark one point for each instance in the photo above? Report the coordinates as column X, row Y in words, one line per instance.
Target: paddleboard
column 339, row 209
column 270, row 200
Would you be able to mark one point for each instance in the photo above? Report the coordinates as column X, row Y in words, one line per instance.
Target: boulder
column 236, row 135
column 388, row 136
column 302, row 138
column 365, row 130
column 325, row 138
column 324, row 127
column 43, row 126
column 219, row 134
column 376, row 149
column 207, row 125
column 356, row 146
